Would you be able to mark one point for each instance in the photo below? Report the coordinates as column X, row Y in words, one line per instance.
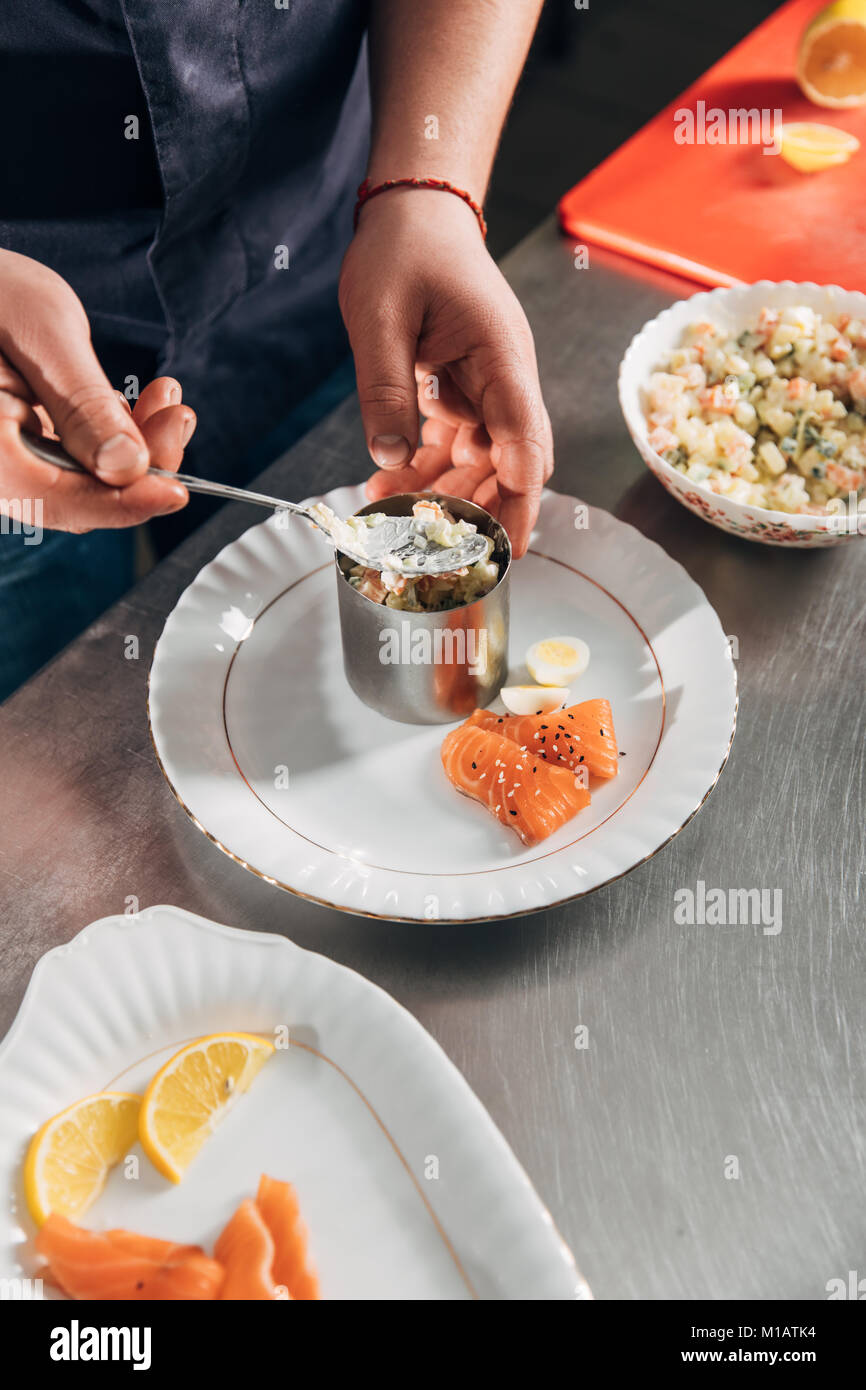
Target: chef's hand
column 51, row 383
column 433, row 324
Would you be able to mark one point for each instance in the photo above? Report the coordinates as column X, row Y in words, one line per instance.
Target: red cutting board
column 722, row 213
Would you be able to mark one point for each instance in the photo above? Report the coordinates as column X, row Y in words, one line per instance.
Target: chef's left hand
column 436, row 330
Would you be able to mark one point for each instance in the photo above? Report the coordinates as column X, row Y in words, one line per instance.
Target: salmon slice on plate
column 523, row 791
column 245, row 1249
column 580, row 736
column 264, row 1248
column 280, row 1210
column 119, row 1265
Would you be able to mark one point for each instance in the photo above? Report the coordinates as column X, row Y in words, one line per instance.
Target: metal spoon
column 397, row 543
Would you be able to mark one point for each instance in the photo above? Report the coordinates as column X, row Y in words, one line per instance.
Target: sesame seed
column 571, row 716
column 601, row 731
column 475, row 765
column 513, row 813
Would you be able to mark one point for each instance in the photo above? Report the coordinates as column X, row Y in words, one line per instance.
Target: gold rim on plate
column 444, row 921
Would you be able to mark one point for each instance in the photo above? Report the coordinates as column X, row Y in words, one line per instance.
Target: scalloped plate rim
column 224, row 566
column 52, row 960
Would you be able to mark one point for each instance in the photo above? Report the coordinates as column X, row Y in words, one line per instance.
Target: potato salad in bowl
column 749, row 405
column 775, row 417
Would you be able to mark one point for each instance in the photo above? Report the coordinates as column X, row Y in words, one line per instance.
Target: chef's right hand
column 51, row 383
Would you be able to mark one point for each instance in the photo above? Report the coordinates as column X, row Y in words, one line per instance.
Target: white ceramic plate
column 265, row 745
column 359, row 1111
column 733, row 308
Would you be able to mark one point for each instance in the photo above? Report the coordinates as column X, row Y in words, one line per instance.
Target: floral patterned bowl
column 732, row 308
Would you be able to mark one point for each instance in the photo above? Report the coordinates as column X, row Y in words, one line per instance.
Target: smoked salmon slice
column 245, row 1249
column 523, row 791
column 119, row 1265
column 580, row 736
column 279, row 1207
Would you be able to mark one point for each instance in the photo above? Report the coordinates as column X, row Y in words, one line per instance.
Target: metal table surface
column 706, row 1043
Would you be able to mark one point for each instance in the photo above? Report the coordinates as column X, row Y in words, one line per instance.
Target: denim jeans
column 51, row 591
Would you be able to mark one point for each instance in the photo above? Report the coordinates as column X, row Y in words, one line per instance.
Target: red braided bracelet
column 365, row 193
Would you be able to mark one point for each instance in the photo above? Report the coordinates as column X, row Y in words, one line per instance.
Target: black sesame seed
column 474, row 764
column 543, row 736
column 601, row 731
column 533, row 769
column 513, row 813
column 571, row 750
column 543, row 726
column 581, row 758
column 622, row 755
column 571, row 716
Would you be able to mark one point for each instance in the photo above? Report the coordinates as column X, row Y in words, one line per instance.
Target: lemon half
column 831, row 62
column 189, row 1096
column 69, row 1158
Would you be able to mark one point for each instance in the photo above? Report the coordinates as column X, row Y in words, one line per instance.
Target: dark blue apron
column 214, row 239
column 252, row 129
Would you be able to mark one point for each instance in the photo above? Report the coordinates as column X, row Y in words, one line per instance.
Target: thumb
column 387, row 391
column 52, row 351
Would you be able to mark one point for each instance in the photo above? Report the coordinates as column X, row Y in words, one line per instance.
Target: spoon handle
column 52, row 451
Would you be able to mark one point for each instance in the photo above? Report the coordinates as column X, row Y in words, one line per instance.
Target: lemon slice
column 69, row 1157
column 189, row 1096
column 831, row 62
column 810, row 145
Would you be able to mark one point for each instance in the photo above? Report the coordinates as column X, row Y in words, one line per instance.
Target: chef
column 190, row 272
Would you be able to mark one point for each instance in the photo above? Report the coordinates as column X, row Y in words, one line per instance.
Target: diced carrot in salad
column 773, row 416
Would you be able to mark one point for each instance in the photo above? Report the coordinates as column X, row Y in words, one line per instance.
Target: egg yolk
column 556, row 653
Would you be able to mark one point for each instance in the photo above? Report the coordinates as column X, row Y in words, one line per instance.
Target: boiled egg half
column 557, row 660
column 534, row 699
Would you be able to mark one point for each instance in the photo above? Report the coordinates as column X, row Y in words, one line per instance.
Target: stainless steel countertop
column 704, row 1042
